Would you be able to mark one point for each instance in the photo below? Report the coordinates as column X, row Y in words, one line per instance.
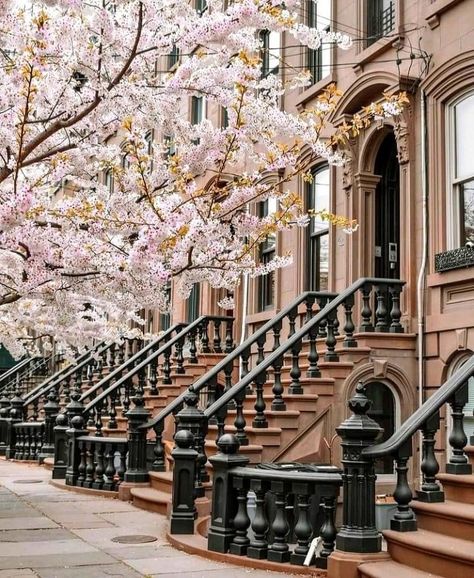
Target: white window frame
column 453, row 207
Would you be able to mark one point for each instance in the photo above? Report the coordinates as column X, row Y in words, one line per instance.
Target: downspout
column 243, row 328
column 424, row 255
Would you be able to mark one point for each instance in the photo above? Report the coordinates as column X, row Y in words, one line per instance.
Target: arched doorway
column 384, row 411
column 387, row 210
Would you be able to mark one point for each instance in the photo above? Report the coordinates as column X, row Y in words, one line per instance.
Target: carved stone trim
column 454, row 259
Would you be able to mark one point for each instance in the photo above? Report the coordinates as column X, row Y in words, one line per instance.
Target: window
column 170, row 146
column 165, row 318
column 149, row 147
column 192, row 304
column 380, row 19
column 224, row 117
column 318, row 15
column 197, row 112
column 173, row 57
column 109, row 180
column 270, row 52
column 318, row 231
column 461, row 171
column 382, row 411
column 201, row 6
column 266, row 283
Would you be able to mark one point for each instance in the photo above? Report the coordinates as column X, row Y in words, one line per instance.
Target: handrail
column 58, row 374
column 5, row 377
column 236, row 353
column 293, row 476
column 153, row 356
column 120, row 369
column 417, row 419
column 26, row 372
column 68, row 372
column 293, row 340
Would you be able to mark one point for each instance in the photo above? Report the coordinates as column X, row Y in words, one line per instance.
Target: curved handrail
column 194, row 325
column 417, row 419
column 70, row 370
column 130, row 362
column 293, row 340
column 236, row 353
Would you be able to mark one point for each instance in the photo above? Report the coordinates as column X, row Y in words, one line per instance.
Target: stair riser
column 456, row 528
column 426, row 561
column 459, row 493
column 149, row 506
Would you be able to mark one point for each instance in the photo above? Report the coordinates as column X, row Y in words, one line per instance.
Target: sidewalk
column 46, row 532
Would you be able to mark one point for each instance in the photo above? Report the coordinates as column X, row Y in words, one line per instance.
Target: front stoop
column 346, row 564
column 390, row 569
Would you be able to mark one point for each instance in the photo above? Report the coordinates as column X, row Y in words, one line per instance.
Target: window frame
column 265, row 52
column 314, row 57
column 454, row 207
column 313, row 239
column 266, row 252
column 371, row 12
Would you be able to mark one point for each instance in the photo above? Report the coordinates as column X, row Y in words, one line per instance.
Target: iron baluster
column 328, row 530
column 381, row 312
column 395, row 313
column 458, row 462
column 241, row 522
column 404, row 519
column 430, row 490
column 349, row 326
column 258, row 547
column 279, row 550
column 158, row 449
column 366, row 312
column 331, row 354
column 303, row 529
column 295, row 372
column 217, row 346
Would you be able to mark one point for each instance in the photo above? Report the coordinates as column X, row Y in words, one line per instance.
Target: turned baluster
column 366, row 312
column 89, row 465
column 395, row 312
column 458, row 462
column 349, row 326
column 121, row 353
column 404, row 519
column 81, row 470
column 66, row 390
column 35, row 410
column 216, row 343
column 322, row 302
column 279, row 550
column 179, row 356
column 328, row 530
column 141, row 380
column 241, row 522
column 260, row 421
column 122, row 463
column 258, row 547
column 113, row 410
column 277, row 403
column 167, row 367
column 229, row 339
column 313, row 357
column 221, row 415
column 430, row 490
column 239, row 421
column 99, row 468
column 109, row 483
column 153, row 377
column 192, row 346
column 98, row 419
column 127, row 392
column 158, row 449
column 303, row 529
column 203, row 327
column 295, row 372
column 112, row 355
column 331, row 354
column 381, row 312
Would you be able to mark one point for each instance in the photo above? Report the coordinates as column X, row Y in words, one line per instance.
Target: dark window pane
column 380, row 19
column 467, row 207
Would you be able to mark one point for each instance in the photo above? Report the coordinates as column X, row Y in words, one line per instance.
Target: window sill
column 433, row 13
column 454, row 259
column 374, row 50
column 314, row 90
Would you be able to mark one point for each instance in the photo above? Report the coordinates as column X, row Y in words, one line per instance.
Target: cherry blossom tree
column 86, row 91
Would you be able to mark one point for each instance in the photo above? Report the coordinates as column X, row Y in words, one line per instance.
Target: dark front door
column 387, row 211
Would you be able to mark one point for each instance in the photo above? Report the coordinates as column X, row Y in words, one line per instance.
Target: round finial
column 228, row 444
column 190, row 398
column 184, row 439
column 77, row 422
column 359, row 402
column 61, row 419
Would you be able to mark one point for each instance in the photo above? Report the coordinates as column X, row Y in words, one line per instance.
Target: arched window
column 383, row 411
column 318, row 199
column 460, row 170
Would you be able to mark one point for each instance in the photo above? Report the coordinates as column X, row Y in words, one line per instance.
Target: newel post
column 16, row 416
column 224, row 495
column 137, row 470
column 184, row 472
column 358, row 532
column 51, row 409
column 60, row 447
column 77, row 428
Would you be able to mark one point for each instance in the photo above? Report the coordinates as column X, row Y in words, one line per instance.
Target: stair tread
column 151, row 495
column 434, row 543
column 461, row 480
column 162, row 476
column 449, row 509
column 389, row 569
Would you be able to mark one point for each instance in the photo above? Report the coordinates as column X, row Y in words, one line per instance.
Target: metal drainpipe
column 243, row 329
column 424, row 256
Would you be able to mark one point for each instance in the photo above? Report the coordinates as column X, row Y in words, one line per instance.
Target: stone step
column 283, row 419
column 305, row 402
column 270, row 436
column 390, row 569
column 432, row 552
column 459, row 488
column 162, row 481
column 455, row 518
column 253, row 451
column 151, row 500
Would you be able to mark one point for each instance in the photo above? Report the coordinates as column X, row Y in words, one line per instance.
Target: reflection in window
column 318, row 231
column 173, row 57
column 461, row 171
column 318, row 15
column 266, row 283
column 380, row 19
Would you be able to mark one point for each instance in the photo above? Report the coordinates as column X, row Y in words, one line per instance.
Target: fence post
column 184, row 472
column 137, row 470
column 51, row 410
column 358, row 532
column 224, row 495
column 60, row 447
